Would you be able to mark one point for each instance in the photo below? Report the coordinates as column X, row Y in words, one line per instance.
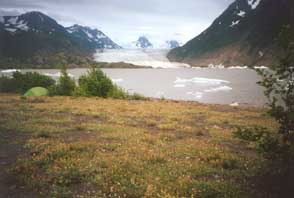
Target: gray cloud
column 125, row 20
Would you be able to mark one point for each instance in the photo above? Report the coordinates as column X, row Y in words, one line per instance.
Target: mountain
column 35, row 39
column 143, row 42
column 244, row 34
column 92, row 37
column 171, row 44
column 33, row 33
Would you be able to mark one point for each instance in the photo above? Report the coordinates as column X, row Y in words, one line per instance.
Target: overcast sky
column 125, row 20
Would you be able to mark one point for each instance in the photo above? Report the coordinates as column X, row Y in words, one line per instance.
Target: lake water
column 176, row 80
column 214, row 86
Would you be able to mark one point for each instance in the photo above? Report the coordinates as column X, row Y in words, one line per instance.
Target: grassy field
column 82, row 147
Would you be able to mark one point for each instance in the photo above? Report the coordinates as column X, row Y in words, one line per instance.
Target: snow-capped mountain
column 30, row 22
column 35, row 38
column 93, row 36
column 144, row 43
column 245, row 34
column 171, row 44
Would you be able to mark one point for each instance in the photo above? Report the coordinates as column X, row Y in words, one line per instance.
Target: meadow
column 93, row 147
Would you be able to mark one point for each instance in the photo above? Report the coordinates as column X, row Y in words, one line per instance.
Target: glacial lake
column 212, row 86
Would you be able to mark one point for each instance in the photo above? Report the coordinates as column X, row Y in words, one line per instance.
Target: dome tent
column 37, row 91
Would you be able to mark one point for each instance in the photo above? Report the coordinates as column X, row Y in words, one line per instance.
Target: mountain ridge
column 34, row 38
column 244, row 34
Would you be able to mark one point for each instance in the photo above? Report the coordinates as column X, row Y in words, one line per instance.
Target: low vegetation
column 93, row 84
column 20, row 83
column 65, row 85
column 91, row 147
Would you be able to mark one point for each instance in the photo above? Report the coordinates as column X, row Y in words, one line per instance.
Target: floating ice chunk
column 217, row 89
column 235, row 104
column 10, row 71
column 179, row 85
column 198, row 80
column 212, row 66
column 117, row 80
column 197, row 94
column 260, row 67
column 238, row 67
column 58, row 74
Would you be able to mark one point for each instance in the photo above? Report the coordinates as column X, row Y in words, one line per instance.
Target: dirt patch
column 11, row 146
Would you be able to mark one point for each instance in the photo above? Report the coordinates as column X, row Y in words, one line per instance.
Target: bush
column 137, row 96
column 65, row 85
column 118, row 93
column 20, row 83
column 266, row 143
column 95, row 83
column 250, row 134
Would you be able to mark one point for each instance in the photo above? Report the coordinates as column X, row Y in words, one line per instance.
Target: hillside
column 35, row 39
column 245, row 34
column 91, row 38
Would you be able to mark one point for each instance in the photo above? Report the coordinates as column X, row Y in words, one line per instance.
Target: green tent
column 37, row 91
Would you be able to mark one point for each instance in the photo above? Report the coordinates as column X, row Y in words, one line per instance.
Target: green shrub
column 117, row 93
column 250, row 134
column 137, row 96
column 20, row 83
column 95, row 83
column 64, row 87
column 267, row 143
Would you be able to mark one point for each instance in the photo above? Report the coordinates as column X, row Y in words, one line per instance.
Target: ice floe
column 217, row 89
column 235, row 104
column 58, row 74
column 260, row 67
column 199, row 80
column 119, row 80
column 179, row 85
column 238, row 67
column 212, row 66
column 7, row 71
column 196, row 95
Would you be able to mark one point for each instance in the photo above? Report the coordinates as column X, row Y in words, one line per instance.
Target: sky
column 125, row 20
